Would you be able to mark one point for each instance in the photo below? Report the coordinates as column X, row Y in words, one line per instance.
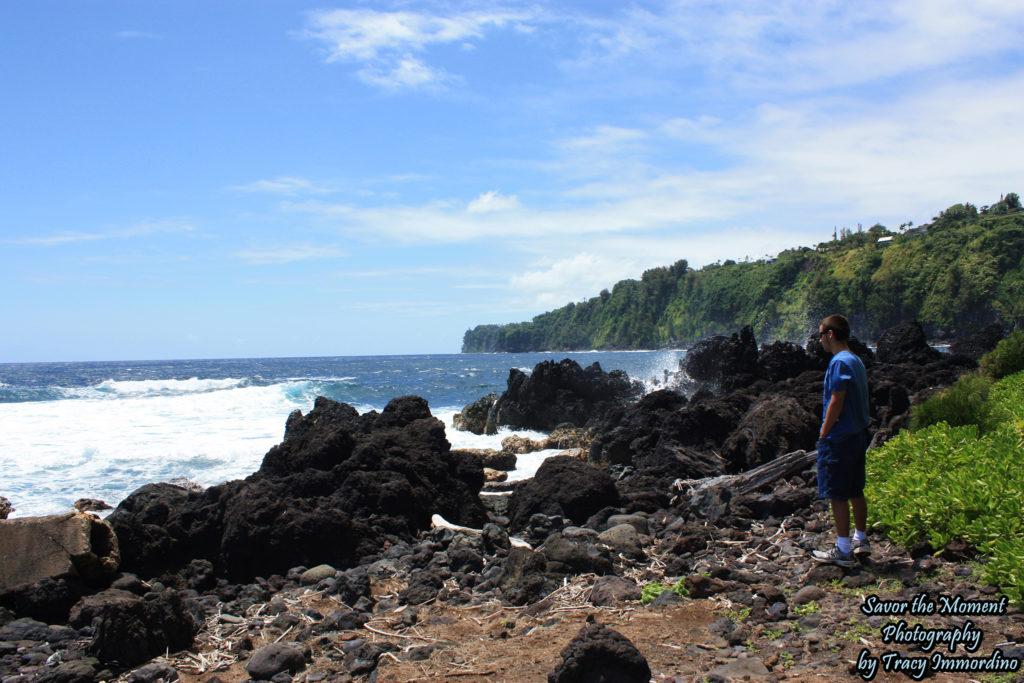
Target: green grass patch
column 811, row 607
column 998, row 678
column 738, row 615
column 943, row 482
column 855, row 630
column 882, row 585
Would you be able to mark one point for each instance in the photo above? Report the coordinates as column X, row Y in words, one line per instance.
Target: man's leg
column 860, row 543
column 829, row 472
column 842, row 553
column 860, row 513
column 841, row 515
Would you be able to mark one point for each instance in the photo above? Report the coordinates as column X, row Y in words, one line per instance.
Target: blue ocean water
column 103, row 429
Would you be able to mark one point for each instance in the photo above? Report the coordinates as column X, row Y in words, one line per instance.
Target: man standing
column 842, row 442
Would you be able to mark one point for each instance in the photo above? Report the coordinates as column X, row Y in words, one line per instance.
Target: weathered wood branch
column 751, row 480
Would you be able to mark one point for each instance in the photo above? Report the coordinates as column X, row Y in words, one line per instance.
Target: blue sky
column 230, row 179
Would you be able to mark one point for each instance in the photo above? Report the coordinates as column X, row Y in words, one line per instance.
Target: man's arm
column 835, row 408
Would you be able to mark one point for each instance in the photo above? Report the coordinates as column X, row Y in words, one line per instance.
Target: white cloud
column 700, row 129
column 449, row 223
column 610, row 258
column 875, row 41
column 792, row 45
column 768, row 48
column 286, row 185
column 137, row 230
column 784, row 151
column 797, row 170
column 493, row 201
column 407, row 72
column 605, row 139
column 579, row 276
column 386, row 42
column 412, row 272
column 287, row 253
column 955, row 138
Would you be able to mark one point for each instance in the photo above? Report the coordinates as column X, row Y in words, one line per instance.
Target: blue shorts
column 841, row 466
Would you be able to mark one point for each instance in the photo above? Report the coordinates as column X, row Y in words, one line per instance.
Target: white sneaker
column 833, row 556
column 861, row 547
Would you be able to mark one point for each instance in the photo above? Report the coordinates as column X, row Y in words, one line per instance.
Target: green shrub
column 651, row 591
column 964, row 403
column 1006, row 359
column 1006, row 400
column 908, row 482
column 943, row 482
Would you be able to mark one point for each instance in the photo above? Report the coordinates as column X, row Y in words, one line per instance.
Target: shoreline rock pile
column 323, row 566
column 338, row 487
column 552, row 396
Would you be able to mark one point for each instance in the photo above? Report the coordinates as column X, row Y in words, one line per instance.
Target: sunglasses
column 824, row 332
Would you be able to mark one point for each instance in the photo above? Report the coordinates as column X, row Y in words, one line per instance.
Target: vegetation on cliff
column 963, row 270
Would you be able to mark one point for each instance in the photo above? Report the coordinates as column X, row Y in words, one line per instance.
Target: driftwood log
column 751, row 480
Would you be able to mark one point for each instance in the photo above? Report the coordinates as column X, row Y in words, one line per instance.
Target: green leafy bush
column 1006, row 401
column 652, row 590
column 964, row 403
column 1006, row 359
column 943, row 482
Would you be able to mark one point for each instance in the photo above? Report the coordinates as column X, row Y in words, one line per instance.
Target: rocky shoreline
column 362, row 549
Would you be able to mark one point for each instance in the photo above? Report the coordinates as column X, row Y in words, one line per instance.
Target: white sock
column 859, row 535
column 844, row 543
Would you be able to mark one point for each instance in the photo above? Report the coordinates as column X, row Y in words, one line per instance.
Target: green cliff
column 963, row 270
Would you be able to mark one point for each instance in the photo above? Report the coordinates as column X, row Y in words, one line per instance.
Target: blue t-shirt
column 846, row 373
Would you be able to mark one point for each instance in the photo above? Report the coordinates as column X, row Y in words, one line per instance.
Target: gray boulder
column 623, row 538
column 272, row 659
column 72, row 544
column 614, row 590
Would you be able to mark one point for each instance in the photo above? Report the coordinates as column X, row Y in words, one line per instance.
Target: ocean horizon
column 102, row 429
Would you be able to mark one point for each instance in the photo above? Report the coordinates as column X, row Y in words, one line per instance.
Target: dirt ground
column 459, row 637
column 505, row 647
column 501, row 644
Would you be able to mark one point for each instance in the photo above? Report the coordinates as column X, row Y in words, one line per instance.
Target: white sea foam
column 117, row 389
column 526, row 465
column 53, row 452
column 108, row 439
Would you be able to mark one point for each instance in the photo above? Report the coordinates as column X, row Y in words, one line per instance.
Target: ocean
column 103, row 429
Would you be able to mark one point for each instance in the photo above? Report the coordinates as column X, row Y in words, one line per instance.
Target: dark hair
column 838, row 324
